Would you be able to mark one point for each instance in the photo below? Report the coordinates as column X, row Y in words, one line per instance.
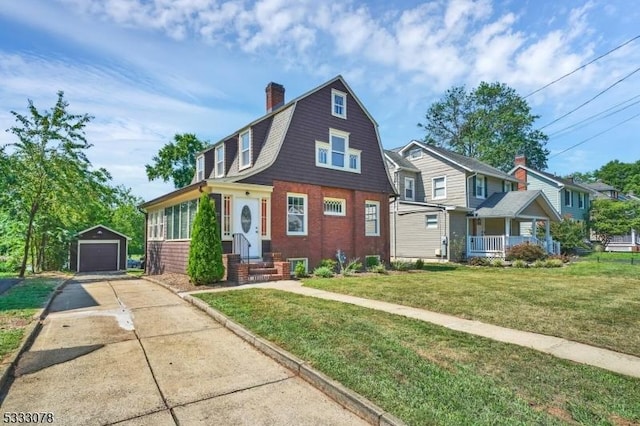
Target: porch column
column 534, row 228
column 633, row 237
column 507, row 227
column 547, row 233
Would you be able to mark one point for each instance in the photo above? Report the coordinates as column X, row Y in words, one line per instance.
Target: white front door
column 247, row 222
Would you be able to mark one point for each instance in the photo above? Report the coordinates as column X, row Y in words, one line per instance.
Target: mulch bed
column 181, row 282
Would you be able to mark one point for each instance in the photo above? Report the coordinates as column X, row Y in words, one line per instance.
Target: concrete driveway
column 133, row 353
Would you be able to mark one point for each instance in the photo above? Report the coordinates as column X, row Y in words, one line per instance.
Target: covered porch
column 508, row 219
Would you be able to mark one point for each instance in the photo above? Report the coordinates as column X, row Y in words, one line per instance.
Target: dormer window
column 200, row 168
column 244, row 150
column 219, row 161
column 338, row 104
column 336, row 154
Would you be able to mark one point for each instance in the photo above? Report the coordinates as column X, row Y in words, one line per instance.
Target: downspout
column 144, row 239
column 395, row 215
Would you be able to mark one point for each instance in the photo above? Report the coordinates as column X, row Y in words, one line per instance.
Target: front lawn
column 17, row 308
column 589, row 302
column 426, row 374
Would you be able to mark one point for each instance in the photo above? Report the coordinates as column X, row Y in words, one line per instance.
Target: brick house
column 304, row 180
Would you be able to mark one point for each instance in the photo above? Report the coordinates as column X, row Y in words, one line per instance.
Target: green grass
column 8, row 275
column 427, row 374
column 135, row 272
column 593, row 303
column 18, row 307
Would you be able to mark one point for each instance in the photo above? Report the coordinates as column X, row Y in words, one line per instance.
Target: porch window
column 409, row 188
column 156, row 225
column 439, row 187
column 372, row 218
column 479, row 186
column 219, row 154
column 296, row 214
column 179, row 220
column 431, row 221
column 245, row 149
column 581, row 199
column 568, row 198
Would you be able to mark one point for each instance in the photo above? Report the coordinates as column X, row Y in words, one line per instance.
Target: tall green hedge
column 205, row 253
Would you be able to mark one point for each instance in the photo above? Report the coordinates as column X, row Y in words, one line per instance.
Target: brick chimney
column 521, row 173
column 275, row 96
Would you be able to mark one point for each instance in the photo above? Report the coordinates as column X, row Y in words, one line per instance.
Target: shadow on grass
column 435, row 267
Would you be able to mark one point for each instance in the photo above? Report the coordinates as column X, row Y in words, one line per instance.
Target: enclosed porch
column 508, row 219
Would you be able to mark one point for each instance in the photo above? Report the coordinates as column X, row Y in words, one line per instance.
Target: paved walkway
column 133, row 353
column 561, row 348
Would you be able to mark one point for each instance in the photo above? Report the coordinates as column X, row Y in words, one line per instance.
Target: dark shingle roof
column 400, row 161
column 510, row 204
column 599, row 186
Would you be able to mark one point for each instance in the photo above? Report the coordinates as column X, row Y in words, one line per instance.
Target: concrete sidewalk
column 561, row 348
column 133, row 353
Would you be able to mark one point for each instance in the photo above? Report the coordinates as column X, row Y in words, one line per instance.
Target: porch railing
column 497, row 245
column 241, row 246
column 625, row 239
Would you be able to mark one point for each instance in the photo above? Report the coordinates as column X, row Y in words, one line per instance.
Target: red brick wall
column 521, row 175
column 326, row 234
column 167, row 256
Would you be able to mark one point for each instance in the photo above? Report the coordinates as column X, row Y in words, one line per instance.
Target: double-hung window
column 200, row 168
column 409, row 188
column 338, row 104
column 245, row 149
column 439, row 187
column 568, row 198
column 336, row 154
column 219, row 160
column 480, row 186
column 371, row 218
column 431, row 221
column 296, row 214
column 581, row 200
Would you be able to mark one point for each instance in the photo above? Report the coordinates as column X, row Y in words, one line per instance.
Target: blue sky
column 147, row 69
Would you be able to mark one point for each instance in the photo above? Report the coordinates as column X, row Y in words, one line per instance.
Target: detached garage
column 98, row 249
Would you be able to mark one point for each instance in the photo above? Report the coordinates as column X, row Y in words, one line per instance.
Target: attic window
column 336, row 154
column 200, row 168
column 338, row 104
column 219, row 154
column 415, row 153
column 245, row 149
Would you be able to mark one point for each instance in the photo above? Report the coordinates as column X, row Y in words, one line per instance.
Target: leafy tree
column 176, row 160
column 612, row 217
column 205, row 253
column 47, row 162
column 491, row 123
column 570, row 234
column 586, row 177
column 623, row 176
column 127, row 219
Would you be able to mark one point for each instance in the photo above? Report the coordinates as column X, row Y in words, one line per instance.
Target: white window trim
column 570, row 192
column 348, row 152
column 413, row 188
column 582, row 199
column 240, row 165
column 218, row 160
column 412, row 153
column 156, row 220
column 484, row 187
column 335, row 92
column 293, row 261
column 200, row 167
column 306, row 213
column 426, row 221
column 377, row 231
column 342, row 201
column 433, row 188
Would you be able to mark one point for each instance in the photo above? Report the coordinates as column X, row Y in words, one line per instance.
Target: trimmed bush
column 205, row 251
column 419, row 264
column 527, row 252
column 553, row 263
column 378, row 269
column 328, row 263
column 539, row 264
column 300, row 271
column 323, row 272
column 519, row 263
column 497, row 263
column 479, row 261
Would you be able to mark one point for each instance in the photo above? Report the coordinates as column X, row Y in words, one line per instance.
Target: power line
column 590, row 100
column 582, row 66
column 565, row 130
column 594, row 136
